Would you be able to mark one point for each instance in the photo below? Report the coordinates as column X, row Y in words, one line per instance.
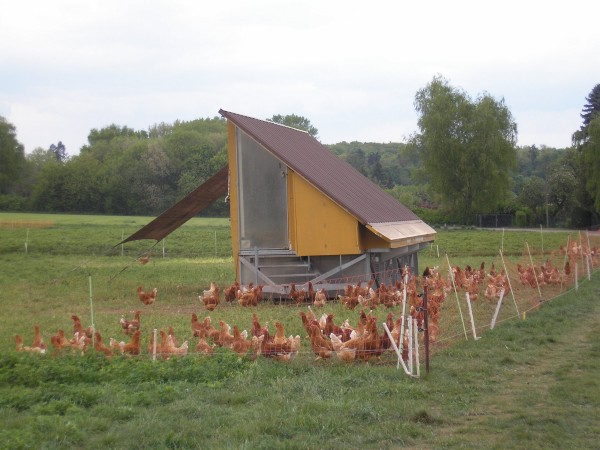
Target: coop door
column 262, row 195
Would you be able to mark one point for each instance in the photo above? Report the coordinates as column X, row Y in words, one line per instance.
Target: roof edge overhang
column 404, row 233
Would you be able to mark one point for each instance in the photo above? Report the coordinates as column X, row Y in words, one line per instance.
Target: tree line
column 462, row 161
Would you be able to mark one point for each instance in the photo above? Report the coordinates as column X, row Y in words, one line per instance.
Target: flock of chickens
column 360, row 341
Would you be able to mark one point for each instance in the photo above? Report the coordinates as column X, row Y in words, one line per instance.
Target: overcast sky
column 351, row 67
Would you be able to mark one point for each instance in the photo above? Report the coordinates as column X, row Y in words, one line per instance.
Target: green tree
column 357, row 159
column 590, row 111
column 591, row 160
column 587, row 141
column 12, row 157
column 466, row 147
column 294, row 121
column 560, row 187
column 533, row 196
column 60, row 151
column 50, row 188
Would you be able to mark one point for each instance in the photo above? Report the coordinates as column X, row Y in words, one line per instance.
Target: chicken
column 248, row 297
column 210, row 297
column 173, row 349
column 143, row 260
column 130, row 348
column 331, row 327
column 38, row 341
column 279, row 338
column 361, row 346
column 224, row 338
column 294, row 347
column 320, row 298
column 79, row 342
column 115, row 345
column 297, row 296
column 306, row 322
column 99, row 345
column 321, row 346
column 78, row 327
column 259, row 293
column 131, row 326
column 240, row 343
column 322, row 321
column 171, row 335
column 161, row 346
column 229, row 294
column 385, row 339
column 349, row 301
column 197, row 326
column 133, row 347
column 211, row 332
column 396, row 330
column 344, row 351
column 388, row 297
column 147, row 298
column 364, row 291
column 257, row 342
column 311, row 293
column 472, row 288
column 39, row 345
column 59, row 341
column 203, row 346
column 280, row 347
column 373, row 344
column 493, row 272
column 256, row 329
column 310, row 314
column 24, row 348
column 369, row 300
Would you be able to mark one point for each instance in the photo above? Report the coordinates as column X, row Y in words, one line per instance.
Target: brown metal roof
column 188, row 207
column 330, row 174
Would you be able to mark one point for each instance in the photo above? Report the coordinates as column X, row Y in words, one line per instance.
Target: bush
column 13, row 202
column 521, row 218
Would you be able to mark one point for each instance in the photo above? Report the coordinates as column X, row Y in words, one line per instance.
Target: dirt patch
column 26, row 224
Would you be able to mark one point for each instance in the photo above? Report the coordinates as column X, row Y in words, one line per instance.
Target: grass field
column 525, row 384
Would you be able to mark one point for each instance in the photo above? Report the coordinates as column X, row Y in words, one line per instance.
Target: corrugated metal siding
column 331, row 175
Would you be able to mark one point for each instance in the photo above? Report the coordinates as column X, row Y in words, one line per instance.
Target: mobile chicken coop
column 299, row 213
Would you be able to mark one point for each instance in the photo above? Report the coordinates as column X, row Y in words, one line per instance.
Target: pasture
column 529, row 382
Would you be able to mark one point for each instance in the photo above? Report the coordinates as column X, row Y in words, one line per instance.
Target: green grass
column 526, row 384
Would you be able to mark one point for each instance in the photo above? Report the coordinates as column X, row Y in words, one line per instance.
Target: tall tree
column 466, row 147
column 587, row 141
column 60, row 151
column 294, row 121
column 592, row 108
column 12, row 157
column 591, row 161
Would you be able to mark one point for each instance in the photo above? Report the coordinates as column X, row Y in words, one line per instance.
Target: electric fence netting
column 366, row 320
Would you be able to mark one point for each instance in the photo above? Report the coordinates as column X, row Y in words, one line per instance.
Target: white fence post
column 471, row 316
column 154, row 345
column 418, row 363
column 493, row 324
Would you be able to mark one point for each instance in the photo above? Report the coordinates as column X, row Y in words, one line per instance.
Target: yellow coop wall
column 317, row 225
column 233, row 194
